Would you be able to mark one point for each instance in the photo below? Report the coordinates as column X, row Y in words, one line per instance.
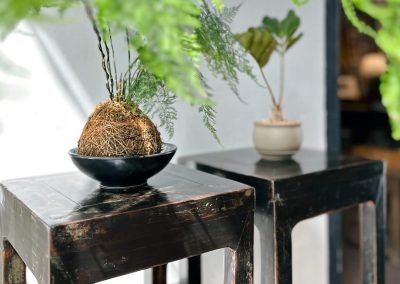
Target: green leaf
column 289, row 25
column 293, row 40
column 169, row 38
column 218, row 4
column 259, row 43
column 300, row 2
column 390, row 90
column 272, row 24
column 13, row 11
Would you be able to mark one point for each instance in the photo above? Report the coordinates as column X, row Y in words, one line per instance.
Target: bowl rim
column 172, row 149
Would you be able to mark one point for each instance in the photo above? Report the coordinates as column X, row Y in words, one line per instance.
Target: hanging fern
column 170, row 39
column 208, row 111
column 387, row 37
column 13, row 11
column 350, row 11
column 224, row 56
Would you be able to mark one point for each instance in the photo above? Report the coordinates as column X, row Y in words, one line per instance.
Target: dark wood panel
column 311, row 184
column 67, row 230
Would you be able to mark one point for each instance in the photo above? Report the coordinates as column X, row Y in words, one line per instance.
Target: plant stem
column 109, row 66
column 129, row 56
column 113, row 55
column 89, row 13
column 282, row 77
column 268, row 87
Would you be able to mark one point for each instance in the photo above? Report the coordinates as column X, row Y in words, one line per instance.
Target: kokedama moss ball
column 118, row 129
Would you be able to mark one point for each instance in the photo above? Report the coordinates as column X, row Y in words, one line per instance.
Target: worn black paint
column 67, row 230
column 311, row 184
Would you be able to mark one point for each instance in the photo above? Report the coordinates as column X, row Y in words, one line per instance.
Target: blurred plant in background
column 261, row 42
column 387, row 37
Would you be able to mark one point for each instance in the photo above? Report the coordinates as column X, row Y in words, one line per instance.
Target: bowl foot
column 128, row 188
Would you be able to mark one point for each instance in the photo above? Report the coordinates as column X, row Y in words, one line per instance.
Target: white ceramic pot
column 277, row 140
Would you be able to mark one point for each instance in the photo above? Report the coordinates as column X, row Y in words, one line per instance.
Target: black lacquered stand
column 66, row 230
column 311, row 184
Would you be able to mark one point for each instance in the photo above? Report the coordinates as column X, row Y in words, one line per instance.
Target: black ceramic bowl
column 123, row 173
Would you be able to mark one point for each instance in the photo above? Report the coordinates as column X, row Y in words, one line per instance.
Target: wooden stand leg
column 367, row 243
column 373, row 240
column 265, row 225
column 239, row 262
column 380, row 223
column 160, row 274
column 394, row 213
column 283, row 248
column 194, row 270
column 14, row 270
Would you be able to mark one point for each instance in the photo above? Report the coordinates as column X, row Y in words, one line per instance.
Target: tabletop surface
column 69, row 197
column 248, row 162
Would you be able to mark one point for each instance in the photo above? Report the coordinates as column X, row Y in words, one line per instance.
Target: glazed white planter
column 277, row 141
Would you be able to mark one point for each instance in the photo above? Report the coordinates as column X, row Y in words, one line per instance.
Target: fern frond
column 160, row 27
column 224, row 56
column 208, row 112
column 218, row 4
column 228, row 14
column 153, row 97
column 350, row 12
column 13, row 11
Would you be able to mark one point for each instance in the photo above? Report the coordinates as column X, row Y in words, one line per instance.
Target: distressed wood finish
column 311, row 184
column 13, row 266
column 160, row 274
column 66, row 230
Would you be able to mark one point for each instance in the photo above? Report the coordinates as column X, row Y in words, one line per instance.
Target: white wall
column 305, row 84
column 55, row 116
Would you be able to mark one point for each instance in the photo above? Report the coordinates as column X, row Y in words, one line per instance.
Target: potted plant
column 166, row 40
column 387, row 37
column 275, row 138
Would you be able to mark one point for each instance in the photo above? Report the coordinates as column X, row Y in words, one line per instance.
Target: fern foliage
column 13, row 11
column 387, row 37
column 169, row 39
column 351, row 14
column 224, row 55
column 152, row 96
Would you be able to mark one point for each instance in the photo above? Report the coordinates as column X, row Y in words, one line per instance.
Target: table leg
column 367, row 243
column 265, row 226
column 239, row 261
column 336, row 247
column 373, row 240
column 160, row 274
column 14, row 269
column 194, row 269
column 380, row 223
column 393, row 223
column 283, row 248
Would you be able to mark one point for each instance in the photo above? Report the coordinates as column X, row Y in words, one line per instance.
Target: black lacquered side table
column 66, row 230
column 311, row 184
